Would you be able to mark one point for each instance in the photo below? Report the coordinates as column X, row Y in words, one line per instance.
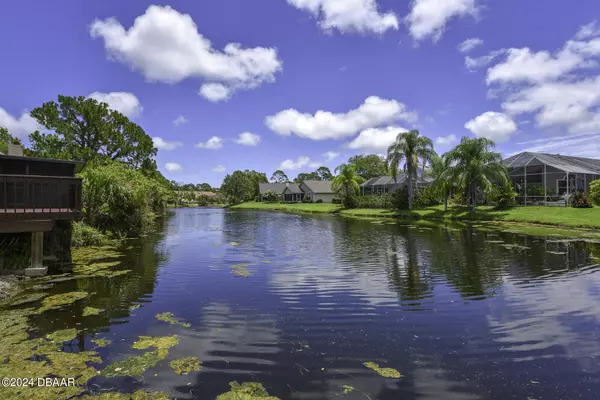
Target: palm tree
column 409, row 147
column 473, row 165
column 347, row 181
column 438, row 170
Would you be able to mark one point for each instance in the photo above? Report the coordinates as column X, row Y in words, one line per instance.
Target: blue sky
column 233, row 84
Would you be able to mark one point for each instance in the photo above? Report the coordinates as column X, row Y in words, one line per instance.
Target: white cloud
column 18, row 127
column 219, row 169
column 213, row 143
column 474, row 63
column 180, row 120
column 330, row 156
column 445, row 140
column 326, row 125
column 248, row 139
column 173, row 167
column 289, row 164
column 492, row 125
column 124, row 102
column 215, row 92
column 428, row 18
column 315, row 165
column 583, row 145
column 376, row 139
column 165, row 46
column 161, row 144
column 588, row 31
column 360, row 16
column 469, row 45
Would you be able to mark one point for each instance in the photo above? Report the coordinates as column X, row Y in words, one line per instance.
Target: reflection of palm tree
column 411, row 284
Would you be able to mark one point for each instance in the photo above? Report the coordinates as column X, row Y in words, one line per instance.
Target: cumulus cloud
column 376, row 139
column 213, row 143
column 173, row 167
column 164, row 45
column 445, row 140
column 18, row 127
column 588, row 31
column 219, row 169
column 162, row 144
column 428, row 18
column 215, row 92
column 248, row 139
column 469, row 45
column 124, row 102
column 290, row 165
column 474, row 63
column 324, row 125
column 496, row 126
column 360, row 16
column 180, row 120
column 330, row 156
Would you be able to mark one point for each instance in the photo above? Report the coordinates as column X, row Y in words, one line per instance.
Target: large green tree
column 368, row 165
column 86, row 130
column 438, row 170
column 236, row 186
column 279, row 177
column 410, row 148
column 5, row 139
column 254, row 177
column 473, row 166
column 324, row 174
column 347, row 183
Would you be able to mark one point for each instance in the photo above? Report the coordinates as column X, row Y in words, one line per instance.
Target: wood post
column 37, row 255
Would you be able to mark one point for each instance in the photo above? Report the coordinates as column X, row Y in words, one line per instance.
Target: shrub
column 372, row 201
column 85, row 235
column 535, row 189
column 307, row 201
column 321, row 200
column 580, row 200
column 350, row 201
column 595, row 192
column 333, row 201
column 504, row 197
column 399, row 199
column 459, row 198
column 426, row 196
column 271, row 195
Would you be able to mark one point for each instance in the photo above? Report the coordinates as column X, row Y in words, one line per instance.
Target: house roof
column 579, row 165
column 277, row 187
column 293, row 188
column 319, row 186
column 389, row 180
column 37, row 159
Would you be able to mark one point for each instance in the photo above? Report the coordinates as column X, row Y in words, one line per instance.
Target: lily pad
column 91, row 311
column 101, row 342
column 63, row 335
column 184, row 366
column 246, row 391
column 60, row 300
column 240, row 270
column 385, row 372
column 170, row 318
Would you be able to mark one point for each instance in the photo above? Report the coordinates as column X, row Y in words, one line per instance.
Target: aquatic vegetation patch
column 42, row 286
column 348, row 389
column 385, row 372
column 234, row 244
column 32, row 298
column 87, row 255
column 161, row 343
column 184, row 366
column 240, row 270
column 266, row 261
column 170, row 318
column 60, row 300
column 246, row 391
column 101, row 342
column 134, row 307
column 91, row 311
column 133, row 366
column 63, row 335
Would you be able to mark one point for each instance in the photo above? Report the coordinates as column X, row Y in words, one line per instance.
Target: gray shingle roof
column 319, row 186
column 293, row 188
column 578, row 165
column 278, row 187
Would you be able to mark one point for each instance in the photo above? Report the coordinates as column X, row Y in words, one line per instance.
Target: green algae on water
column 266, row 261
column 240, row 270
column 246, row 391
column 91, row 311
column 170, row 318
column 234, row 244
column 348, row 389
column 101, row 342
column 385, row 372
column 32, row 298
column 133, row 366
column 134, row 307
column 60, row 300
column 184, row 366
column 63, row 335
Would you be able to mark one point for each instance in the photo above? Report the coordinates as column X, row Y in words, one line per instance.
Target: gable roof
column 389, row 180
column 319, row 186
column 578, row 165
column 277, row 187
column 293, row 188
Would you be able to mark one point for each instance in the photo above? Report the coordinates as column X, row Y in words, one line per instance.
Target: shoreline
column 487, row 217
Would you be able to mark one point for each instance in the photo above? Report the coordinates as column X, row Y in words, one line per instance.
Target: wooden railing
column 39, row 197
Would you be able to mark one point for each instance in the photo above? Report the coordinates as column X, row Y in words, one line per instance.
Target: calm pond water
column 461, row 314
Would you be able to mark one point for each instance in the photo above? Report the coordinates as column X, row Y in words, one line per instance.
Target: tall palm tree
column 409, row 147
column 346, row 182
column 438, row 170
column 473, row 166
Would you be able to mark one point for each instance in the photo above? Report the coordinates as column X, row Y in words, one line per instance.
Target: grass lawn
column 559, row 216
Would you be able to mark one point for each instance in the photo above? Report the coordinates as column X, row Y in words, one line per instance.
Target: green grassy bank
column 588, row 218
